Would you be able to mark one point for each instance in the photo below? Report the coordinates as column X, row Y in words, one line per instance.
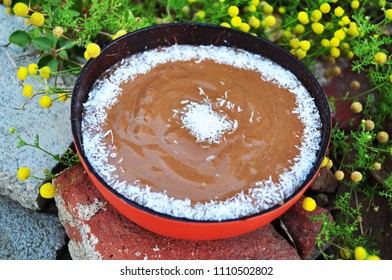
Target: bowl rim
column 324, row 141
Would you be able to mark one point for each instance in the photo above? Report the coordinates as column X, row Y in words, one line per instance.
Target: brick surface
column 98, row 231
column 325, row 182
column 303, row 230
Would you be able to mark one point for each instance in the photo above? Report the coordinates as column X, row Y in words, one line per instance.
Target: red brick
column 102, row 231
column 303, row 230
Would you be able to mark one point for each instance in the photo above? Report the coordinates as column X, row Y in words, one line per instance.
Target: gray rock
column 28, row 235
column 52, row 125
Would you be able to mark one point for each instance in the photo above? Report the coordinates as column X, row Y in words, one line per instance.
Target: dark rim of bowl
column 216, row 35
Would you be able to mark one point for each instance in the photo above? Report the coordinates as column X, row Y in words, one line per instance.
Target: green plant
column 67, row 160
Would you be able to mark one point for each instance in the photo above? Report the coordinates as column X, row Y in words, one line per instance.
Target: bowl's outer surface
column 192, row 34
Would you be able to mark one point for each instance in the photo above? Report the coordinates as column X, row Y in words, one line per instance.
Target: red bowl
column 193, row 34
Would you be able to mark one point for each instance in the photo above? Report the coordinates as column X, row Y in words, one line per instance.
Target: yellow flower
column 325, row 43
column 382, row 3
column 382, row 137
column 340, row 34
column 33, row 68
column 309, row 204
column 186, row 9
column 21, row 9
column 329, row 164
column 360, row 253
column 252, row 8
column 356, row 176
column 37, row 19
column 45, row 102
column 47, row 190
column 373, row 258
column 338, row 11
column 339, row 175
column 304, row 45
column 353, row 29
column 294, row 43
column 318, row 28
column 380, row 58
column 58, row 31
column 200, row 14
column 281, row 10
column 303, row 17
column 369, row 124
column 269, row 21
column 62, row 96
column 23, row 173
column 299, row 29
column 7, row 3
column 93, row 50
column 316, row 15
column 346, row 20
column 224, row 24
column 344, row 46
column 12, row 130
column 300, row 53
column 254, row 22
column 236, row 21
column 287, row 34
column 345, row 253
column 86, row 55
column 244, row 27
column 325, row 8
column 355, row 4
column 45, row 72
column 22, row 73
column 119, row 33
column 28, row 90
column 267, row 8
column 233, row 11
column 388, row 14
column 334, row 52
column 334, row 42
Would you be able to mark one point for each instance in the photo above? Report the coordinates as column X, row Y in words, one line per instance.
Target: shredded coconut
column 266, row 193
column 205, row 124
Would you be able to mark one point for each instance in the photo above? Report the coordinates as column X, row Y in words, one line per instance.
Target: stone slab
column 52, row 125
column 28, row 235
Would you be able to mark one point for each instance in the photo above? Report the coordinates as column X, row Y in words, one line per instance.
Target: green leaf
column 73, row 13
column 48, row 60
column 43, row 43
column 35, row 33
column 66, row 44
column 52, row 38
column 63, row 54
column 20, row 38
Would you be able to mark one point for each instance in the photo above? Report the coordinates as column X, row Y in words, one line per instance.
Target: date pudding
column 201, row 132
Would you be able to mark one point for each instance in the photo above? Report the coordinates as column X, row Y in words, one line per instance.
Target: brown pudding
column 154, row 148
